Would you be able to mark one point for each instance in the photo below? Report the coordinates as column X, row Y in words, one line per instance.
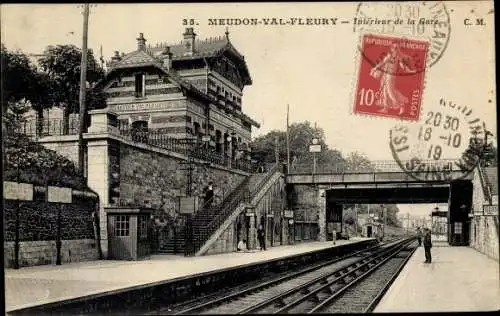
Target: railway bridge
column 326, row 190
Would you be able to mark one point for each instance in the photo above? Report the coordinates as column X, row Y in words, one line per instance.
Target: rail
column 257, row 186
column 208, row 219
column 49, row 127
column 193, row 148
column 377, row 166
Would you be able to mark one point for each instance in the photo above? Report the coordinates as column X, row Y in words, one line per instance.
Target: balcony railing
column 373, row 167
column 193, row 148
column 50, row 127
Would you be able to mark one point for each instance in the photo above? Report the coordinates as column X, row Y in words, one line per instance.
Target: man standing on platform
column 427, row 245
column 261, row 238
column 419, row 236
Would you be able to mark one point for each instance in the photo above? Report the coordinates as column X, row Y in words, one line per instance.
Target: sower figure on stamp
column 427, row 245
column 386, row 71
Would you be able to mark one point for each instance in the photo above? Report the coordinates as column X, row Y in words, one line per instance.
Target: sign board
column 59, row 195
column 315, row 148
column 270, row 215
column 17, row 191
column 250, row 214
column 188, row 204
column 288, row 213
column 490, row 209
column 494, row 199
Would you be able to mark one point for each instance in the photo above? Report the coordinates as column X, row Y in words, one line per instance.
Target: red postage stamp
column 391, row 77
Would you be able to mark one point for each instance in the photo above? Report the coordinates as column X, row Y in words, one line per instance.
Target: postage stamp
column 427, row 20
column 391, row 76
column 447, row 145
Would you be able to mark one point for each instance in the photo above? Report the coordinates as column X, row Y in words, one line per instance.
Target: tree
column 479, row 152
column 23, row 86
column 62, row 64
column 358, row 162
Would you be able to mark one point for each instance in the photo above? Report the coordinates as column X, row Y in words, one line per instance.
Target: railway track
column 317, row 288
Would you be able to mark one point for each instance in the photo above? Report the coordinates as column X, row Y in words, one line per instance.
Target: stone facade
column 309, row 206
column 484, row 234
column 33, row 253
column 38, row 227
column 155, row 180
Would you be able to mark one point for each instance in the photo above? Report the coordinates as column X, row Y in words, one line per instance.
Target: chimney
column 116, row 57
column 141, row 42
column 189, row 38
column 167, row 58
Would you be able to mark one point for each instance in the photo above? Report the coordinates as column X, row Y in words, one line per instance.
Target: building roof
column 491, row 178
column 142, row 58
column 208, row 48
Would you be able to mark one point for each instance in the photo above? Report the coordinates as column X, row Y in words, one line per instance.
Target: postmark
column 446, row 145
column 391, row 76
column 426, row 20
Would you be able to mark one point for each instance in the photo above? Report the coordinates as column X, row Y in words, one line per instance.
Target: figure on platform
column 242, row 245
column 427, row 245
column 261, row 237
column 334, row 233
column 419, row 236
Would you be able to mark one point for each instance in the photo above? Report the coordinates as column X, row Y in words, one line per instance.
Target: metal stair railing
column 208, row 220
column 257, row 186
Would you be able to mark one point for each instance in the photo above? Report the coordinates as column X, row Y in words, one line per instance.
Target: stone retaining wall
column 33, row 253
column 38, row 229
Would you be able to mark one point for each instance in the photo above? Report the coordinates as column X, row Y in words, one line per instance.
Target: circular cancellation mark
column 416, row 20
column 446, row 145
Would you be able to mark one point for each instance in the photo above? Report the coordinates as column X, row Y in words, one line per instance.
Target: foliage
column 357, row 161
column 62, row 64
column 23, row 86
column 300, row 137
column 30, row 162
column 478, row 151
column 391, row 209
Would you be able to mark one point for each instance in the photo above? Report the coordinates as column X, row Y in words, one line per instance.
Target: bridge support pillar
column 321, row 209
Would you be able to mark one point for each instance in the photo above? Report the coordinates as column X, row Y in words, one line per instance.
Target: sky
column 313, row 69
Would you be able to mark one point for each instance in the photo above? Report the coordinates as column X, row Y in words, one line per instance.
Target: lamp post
column 315, row 147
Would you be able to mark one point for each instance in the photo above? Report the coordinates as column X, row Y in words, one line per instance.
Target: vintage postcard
column 193, row 158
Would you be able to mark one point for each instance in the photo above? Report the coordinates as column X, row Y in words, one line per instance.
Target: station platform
column 459, row 279
column 33, row 286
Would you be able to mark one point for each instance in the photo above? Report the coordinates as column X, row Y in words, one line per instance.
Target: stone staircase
column 208, row 220
column 175, row 245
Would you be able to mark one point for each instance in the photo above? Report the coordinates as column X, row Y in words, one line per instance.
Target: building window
column 143, row 227
column 122, row 226
column 139, row 85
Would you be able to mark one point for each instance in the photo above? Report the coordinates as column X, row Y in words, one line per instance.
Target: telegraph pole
column 83, row 81
column 287, row 140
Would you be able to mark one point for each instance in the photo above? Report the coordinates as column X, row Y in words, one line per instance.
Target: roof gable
column 136, row 59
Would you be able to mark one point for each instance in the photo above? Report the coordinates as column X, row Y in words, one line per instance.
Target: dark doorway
column 368, row 231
